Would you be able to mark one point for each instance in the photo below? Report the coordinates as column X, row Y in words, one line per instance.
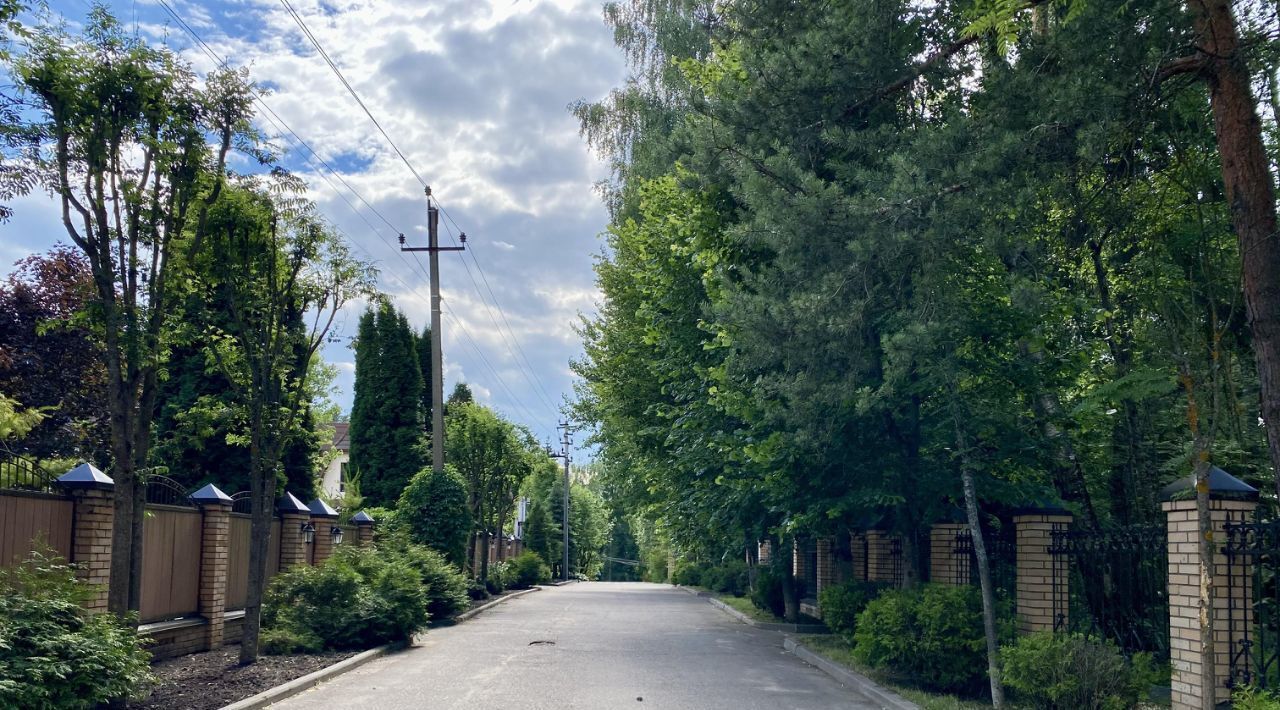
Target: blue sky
column 476, row 94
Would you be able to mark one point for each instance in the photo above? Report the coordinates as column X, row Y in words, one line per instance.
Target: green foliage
column 687, row 574
column 1068, row 671
column 16, row 422
column 53, row 653
column 526, row 570
column 729, row 577
column 1250, row 698
column 443, row 583
column 841, row 605
column 767, row 593
column 931, row 635
column 359, row 598
column 434, row 511
column 387, row 446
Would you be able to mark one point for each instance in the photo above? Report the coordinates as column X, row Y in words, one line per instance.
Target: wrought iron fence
column 1253, row 599
column 18, row 473
column 162, row 490
column 1002, row 559
column 1116, row 585
column 895, row 561
column 242, row 502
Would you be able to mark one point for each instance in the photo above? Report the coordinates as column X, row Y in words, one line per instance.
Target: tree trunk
column 790, row 592
column 980, row 553
column 262, row 486
column 1248, row 183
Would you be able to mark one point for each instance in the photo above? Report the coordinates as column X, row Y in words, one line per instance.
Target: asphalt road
column 592, row 645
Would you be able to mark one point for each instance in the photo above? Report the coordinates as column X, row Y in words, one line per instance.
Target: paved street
column 588, row 646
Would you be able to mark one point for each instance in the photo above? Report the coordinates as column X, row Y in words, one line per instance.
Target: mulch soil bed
column 204, row 681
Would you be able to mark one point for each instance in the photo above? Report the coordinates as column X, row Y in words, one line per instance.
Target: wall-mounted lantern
column 308, row 533
column 336, row 532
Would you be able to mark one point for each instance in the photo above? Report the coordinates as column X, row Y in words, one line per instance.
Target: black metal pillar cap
column 86, row 475
column 210, row 495
column 321, row 509
column 289, row 503
column 362, row 518
column 1222, row 486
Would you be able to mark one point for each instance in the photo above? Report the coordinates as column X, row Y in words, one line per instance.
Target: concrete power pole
column 433, row 250
column 565, row 443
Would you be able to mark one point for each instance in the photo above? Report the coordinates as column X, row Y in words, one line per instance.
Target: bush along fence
column 1137, row 586
column 195, row 547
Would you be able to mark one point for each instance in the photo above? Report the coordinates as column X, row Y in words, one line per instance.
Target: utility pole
column 433, row 250
column 565, row 443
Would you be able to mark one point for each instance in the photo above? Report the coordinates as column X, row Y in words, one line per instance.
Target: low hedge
column 931, row 634
column 527, row 569
column 1072, row 671
column 842, row 604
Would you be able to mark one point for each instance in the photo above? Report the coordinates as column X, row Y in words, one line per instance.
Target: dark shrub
column 433, row 509
column 728, row 578
column 526, row 570
column 688, row 574
column 359, row 598
column 444, row 585
column 1070, row 671
column 54, row 654
column 767, row 594
column 842, row 604
column 477, row 591
column 931, row 634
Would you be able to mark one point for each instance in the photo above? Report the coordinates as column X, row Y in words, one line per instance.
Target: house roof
column 341, row 437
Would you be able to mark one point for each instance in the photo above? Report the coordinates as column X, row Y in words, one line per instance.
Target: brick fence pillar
column 880, row 556
column 826, row 566
column 944, row 566
column 1230, row 500
column 764, row 553
column 364, row 529
column 858, row 555
column 293, row 515
column 1038, row 577
column 324, row 518
column 215, row 556
column 799, row 560
column 91, row 493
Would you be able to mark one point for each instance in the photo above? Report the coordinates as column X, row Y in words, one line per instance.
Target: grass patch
column 839, row 650
column 745, row 606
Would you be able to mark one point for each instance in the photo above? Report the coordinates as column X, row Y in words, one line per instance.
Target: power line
column 350, row 89
column 527, row 371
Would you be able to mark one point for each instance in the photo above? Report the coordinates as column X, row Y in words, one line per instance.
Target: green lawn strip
column 839, row 650
column 745, row 606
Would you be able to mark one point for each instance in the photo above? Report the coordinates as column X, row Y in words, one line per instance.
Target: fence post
column 764, row 552
column 858, row 555
column 880, row 567
column 215, row 540
column 1230, row 500
column 324, row 518
column 799, row 560
column 944, row 567
column 1038, row 576
column 826, row 567
column 93, row 512
column 364, row 528
column 293, row 515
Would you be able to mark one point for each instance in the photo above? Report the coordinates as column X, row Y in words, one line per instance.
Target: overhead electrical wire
column 315, row 156
column 527, row 371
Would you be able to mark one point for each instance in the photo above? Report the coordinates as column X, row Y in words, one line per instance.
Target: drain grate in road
column 542, row 643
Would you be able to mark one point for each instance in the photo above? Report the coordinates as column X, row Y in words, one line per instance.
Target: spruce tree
column 365, row 428
column 423, row 345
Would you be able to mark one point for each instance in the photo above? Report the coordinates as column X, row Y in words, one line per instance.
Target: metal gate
column 1113, row 583
column 1002, row 558
column 1253, row 599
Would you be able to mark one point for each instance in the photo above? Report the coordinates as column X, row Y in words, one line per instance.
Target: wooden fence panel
column 170, row 563
column 23, row 518
column 238, row 558
column 238, row 561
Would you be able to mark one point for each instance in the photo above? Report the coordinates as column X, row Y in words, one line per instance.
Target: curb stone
column 885, row 698
column 472, row 612
column 766, row 625
column 297, row 685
